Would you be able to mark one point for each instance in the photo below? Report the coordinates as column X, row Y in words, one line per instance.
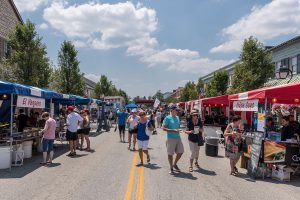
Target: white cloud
column 29, row 5
column 43, row 26
column 123, row 25
column 184, row 61
column 105, row 26
column 277, row 18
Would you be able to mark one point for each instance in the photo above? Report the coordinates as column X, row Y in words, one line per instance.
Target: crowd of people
column 143, row 123
column 77, row 126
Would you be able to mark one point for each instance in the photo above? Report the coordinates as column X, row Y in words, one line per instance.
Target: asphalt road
column 110, row 172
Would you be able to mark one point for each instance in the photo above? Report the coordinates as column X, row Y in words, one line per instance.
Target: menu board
column 255, row 154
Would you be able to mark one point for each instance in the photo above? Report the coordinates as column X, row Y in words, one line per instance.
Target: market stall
column 32, row 100
column 267, row 154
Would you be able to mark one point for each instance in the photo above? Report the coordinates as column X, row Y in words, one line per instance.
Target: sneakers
column 176, row 168
column 171, row 171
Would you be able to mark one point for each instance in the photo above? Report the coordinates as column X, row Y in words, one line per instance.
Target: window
column 294, row 64
column 7, row 49
column 278, row 65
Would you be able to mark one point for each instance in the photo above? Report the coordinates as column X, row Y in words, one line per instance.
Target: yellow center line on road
column 140, row 186
column 131, row 178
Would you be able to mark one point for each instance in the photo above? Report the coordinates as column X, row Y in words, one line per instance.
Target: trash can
column 211, row 146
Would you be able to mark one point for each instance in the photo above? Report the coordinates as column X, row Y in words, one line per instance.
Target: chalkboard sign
column 256, row 148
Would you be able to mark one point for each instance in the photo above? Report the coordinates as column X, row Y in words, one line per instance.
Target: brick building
column 9, row 18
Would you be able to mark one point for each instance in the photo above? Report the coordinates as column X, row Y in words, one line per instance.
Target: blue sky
column 147, row 45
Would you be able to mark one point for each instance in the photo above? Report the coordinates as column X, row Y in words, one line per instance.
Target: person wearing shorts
column 73, row 120
column 132, row 131
column 122, row 115
column 194, row 131
column 171, row 125
column 48, row 138
column 143, row 137
column 87, row 129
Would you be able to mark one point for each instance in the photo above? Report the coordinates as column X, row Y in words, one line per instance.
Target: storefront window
column 294, row 65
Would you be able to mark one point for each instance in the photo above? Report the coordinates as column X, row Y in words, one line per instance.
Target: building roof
column 89, row 82
column 16, row 10
column 286, row 43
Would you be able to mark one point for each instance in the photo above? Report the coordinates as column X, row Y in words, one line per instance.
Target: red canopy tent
column 286, row 94
column 215, row 101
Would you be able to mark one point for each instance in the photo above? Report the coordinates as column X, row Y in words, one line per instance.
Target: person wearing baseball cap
column 195, row 137
column 171, row 125
column 73, row 120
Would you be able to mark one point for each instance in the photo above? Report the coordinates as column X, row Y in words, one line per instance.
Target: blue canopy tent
column 12, row 89
column 131, row 106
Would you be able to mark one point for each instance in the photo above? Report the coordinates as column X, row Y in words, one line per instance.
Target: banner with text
column 156, row 103
column 30, row 102
column 246, row 105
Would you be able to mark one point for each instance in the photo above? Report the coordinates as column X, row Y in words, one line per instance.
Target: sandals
column 236, row 170
column 49, row 162
column 191, row 169
column 197, row 165
column 233, row 173
column 43, row 163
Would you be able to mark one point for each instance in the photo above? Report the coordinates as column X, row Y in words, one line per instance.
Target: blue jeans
column 47, row 145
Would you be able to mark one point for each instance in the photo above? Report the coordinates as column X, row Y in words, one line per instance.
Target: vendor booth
column 32, row 100
column 266, row 154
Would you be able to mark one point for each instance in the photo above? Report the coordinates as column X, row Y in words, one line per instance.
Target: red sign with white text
column 30, row 102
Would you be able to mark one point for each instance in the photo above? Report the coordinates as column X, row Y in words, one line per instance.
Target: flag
column 156, row 103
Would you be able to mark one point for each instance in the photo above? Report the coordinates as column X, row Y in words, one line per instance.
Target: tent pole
column 265, row 112
column 11, row 113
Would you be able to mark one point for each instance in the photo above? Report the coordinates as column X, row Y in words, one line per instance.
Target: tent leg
column 265, row 111
column 11, row 123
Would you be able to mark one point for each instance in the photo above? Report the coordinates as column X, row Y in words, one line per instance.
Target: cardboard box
column 281, row 173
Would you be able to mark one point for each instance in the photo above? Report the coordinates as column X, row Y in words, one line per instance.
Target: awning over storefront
column 288, row 94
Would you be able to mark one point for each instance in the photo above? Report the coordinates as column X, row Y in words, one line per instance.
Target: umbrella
column 131, row 106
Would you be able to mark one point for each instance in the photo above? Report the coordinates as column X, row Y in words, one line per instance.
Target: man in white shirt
column 73, row 120
column 132, row 131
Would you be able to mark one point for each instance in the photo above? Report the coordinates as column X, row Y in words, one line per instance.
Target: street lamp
column 283, row 72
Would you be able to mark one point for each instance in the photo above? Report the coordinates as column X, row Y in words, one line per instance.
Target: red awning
column 288, row 94
column 215, row 101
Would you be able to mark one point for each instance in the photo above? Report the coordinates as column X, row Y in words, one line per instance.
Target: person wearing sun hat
column 171, row 125
column 195, row 137
column 73, row 120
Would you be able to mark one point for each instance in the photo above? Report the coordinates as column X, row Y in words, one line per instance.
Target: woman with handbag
column 194, row 130
column 233, row 141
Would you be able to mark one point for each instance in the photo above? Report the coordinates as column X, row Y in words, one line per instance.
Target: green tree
column 255, row 68
column 200, row 85
column 171, row 100
column 28, row 60
column 189, row 92
column 123, row 94
column 159, row 95
column 103, row 87
column 218, row 85
column 70, row 78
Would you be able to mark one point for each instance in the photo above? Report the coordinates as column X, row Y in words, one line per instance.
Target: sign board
column 156, row 103
column 246, row 105
column 36, row 92
column 255, row 154
column 261, row 122
column 30, row 102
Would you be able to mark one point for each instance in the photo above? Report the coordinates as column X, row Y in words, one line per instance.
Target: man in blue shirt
column 121, row 119
column 171, row 125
